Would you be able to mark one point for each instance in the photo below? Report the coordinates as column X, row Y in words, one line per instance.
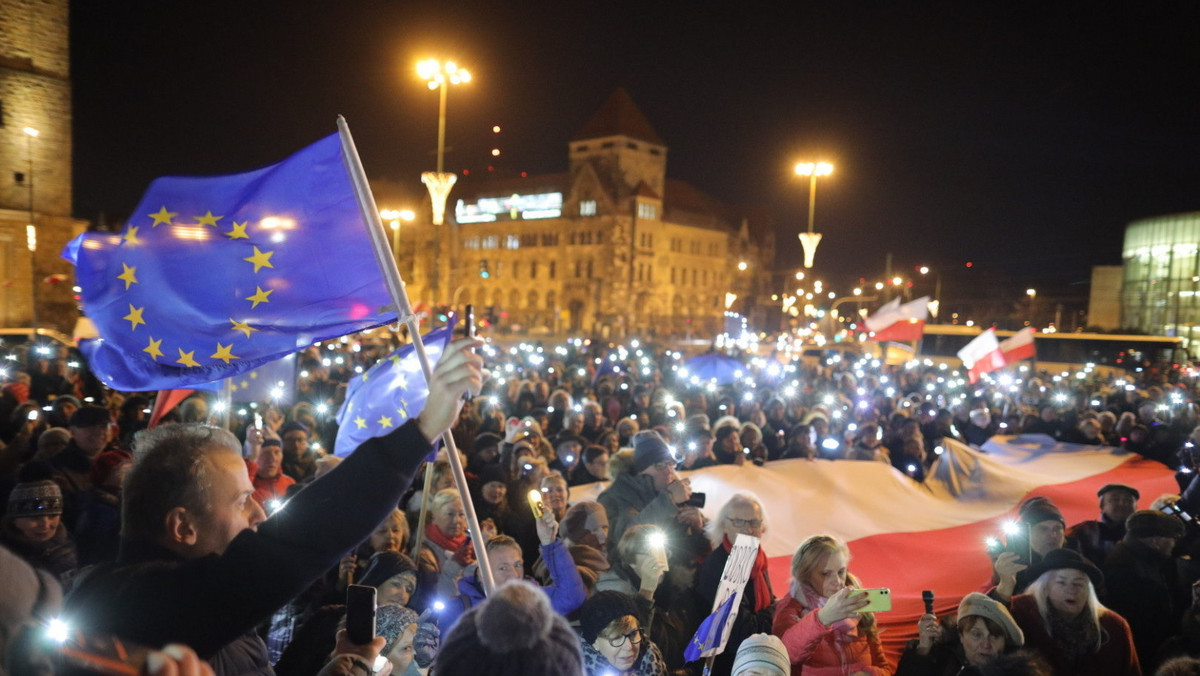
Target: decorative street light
column 393, row 218
column 809, row 240
column 31, row 231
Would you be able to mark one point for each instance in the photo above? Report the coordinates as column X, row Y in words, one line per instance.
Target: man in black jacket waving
column 200, row 563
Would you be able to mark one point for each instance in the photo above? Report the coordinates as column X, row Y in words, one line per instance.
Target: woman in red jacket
column 819, row 620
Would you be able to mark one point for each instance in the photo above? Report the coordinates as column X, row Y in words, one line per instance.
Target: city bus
column 1057, row 352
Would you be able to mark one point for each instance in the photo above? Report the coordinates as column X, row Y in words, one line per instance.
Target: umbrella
column 715, row 366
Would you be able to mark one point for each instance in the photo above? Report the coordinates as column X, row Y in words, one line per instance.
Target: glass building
column 1162, row 277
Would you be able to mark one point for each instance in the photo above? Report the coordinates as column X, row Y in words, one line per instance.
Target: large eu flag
column 388, row 394
column 215, row 276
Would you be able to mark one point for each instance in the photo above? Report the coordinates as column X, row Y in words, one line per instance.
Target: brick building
column 610, row 247
column 35, row 171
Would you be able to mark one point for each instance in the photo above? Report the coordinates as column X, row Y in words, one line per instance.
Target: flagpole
column 395, row 285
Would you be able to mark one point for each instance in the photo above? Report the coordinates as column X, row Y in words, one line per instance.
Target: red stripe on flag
column 164, row 402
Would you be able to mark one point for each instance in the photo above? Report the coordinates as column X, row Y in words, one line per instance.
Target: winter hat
column 384, row 566
column 292, row 427
column 271, row 441
column 1148, row 523
column 648, row 449
column 390, row 622
column 490, row 473
column 90, row 416
column 762, row 651
column 486, row 440
column 52, row 441
column 35, row 498
column 106, row 463
column 514, row 631
column 601, row 609
column 566, row 437
column 589, row 557
column 1060, row 559
column 1119, row 487
column 980, row 605
column 1036, row 510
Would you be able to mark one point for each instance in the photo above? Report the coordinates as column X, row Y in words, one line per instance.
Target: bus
column 1109, row 354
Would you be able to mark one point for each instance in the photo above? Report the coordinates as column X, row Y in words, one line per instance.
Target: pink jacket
column 817, row 650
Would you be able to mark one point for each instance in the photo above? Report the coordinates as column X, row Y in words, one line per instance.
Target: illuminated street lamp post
column 1032, row 293
column 809, row 240
column 440, row 76
column 31, row 231
column 393, row 218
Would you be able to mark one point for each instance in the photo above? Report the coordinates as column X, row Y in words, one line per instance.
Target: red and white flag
column 982, row 355
column 1019, row 346
column 897, row 322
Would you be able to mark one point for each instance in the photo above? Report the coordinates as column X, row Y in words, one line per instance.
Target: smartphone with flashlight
column 77, row 652
column 360, row 614
column 536, row 504
column 469, row 321
column 878, row 600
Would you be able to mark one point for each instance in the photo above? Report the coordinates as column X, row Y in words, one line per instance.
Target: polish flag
column 1019, row 346
column 982, row 355
column 901, row 323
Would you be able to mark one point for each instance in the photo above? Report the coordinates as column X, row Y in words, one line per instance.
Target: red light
column 524, row 174
column 466, row 172
column 970, row 264
column 491, row 168
column 909, row 285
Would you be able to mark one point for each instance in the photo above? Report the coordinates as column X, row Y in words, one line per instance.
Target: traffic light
column 483, row 268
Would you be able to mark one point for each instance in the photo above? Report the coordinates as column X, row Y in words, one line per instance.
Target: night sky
column 1020, row 136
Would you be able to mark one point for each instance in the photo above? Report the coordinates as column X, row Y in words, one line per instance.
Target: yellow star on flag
column 254, row 375
column 395, row 359
column 135, row 316
column 362, row 424
column 129, row 276
column 208, row 219
column 261, row 259
column 131, row 236
column 224, row 353
column 163, row 216
column 153, row 349
column 245, row 383
column 239, row 231
column 403, row 412
column 187, row 358
column 260, row 296
column 244, row 327
column 385, row 422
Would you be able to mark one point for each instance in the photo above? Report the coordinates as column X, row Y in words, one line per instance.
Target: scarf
column 1073, row 637
column 438, row 537
column 758, row 576
column 845, row 630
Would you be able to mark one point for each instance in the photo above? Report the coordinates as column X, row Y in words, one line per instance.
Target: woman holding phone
column 820, row 620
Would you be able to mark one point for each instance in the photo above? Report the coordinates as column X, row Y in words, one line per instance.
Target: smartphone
column 878, row 600
column 536, row 504
column 360, row 614
column 1019, row 542
column 697, row 500
column 469, row 321
column 82, row 653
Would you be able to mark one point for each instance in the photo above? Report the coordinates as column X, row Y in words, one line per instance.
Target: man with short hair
column 728, row 445
column 1097, row 538
column 298, row 459
column 592, row 467
column 200, row 563
column 1144, row 582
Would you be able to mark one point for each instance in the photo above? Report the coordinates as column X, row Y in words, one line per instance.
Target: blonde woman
column 819, row 620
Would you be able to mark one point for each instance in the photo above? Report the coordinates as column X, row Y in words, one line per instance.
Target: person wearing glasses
column 741, row 514
column 612, row 638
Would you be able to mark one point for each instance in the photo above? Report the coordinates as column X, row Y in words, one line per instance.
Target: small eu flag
column 710, row 631
column 215, row 276
column 388, row 394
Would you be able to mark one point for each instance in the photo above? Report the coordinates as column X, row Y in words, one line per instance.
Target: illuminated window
column 646, row 210
column 491, row 242
column 587, row 208
column 512, row 242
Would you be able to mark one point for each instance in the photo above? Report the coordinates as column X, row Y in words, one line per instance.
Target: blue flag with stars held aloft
column 709, row 634
column 215, row 276
column 388, row 394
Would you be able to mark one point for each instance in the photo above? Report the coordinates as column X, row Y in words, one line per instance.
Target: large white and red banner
column 909, row 536
column 1019, row 346
column 901, row 323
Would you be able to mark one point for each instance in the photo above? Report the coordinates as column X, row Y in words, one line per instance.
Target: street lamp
column 393, row 218
column 809, row 240
column 1032, row 293
column 31, row 231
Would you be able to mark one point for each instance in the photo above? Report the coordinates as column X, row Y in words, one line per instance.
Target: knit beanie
column 648, row 449
column 764, row 652
column 601, row 609
column 1036, row 510
column 980, row 605
column 1147, row 523
column 390, row 622
column 486, row 440
column 292, row 426
column 35, row 498
column 384, row 566
column 514, row 632
column 90, row 416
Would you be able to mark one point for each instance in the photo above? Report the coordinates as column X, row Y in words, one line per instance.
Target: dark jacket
column 1144, row 587
column 747, row 621
column 1097, row 538
column 213, row 603
column 1116, row 657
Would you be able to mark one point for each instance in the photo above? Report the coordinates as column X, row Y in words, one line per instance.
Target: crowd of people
column 241, row 543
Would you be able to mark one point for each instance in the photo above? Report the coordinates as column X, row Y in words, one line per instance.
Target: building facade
column 1161, row 284
column 611, row 247
column 35, row 161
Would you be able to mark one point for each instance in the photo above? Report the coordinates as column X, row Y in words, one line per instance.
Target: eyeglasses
column 663, row 466
column 634, row 637
column 745, row 523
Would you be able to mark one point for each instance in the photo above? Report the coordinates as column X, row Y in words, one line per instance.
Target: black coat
column 1144, row 587
column 151, row 596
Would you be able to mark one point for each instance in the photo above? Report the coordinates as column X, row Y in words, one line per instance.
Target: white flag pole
column 395, row 286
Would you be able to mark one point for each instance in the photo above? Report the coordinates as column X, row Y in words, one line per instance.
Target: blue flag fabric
column 710, row 631
column 388, row 394
column 215, row 276
column 274, row 381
